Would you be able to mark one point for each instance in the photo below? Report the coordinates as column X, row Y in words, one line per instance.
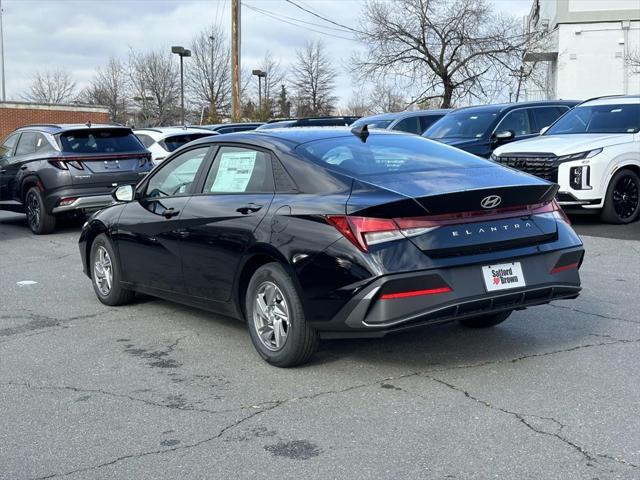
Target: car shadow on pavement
column 63, row 225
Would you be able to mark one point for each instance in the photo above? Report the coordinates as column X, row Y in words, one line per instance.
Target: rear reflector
column 564, row 267
column 67, row 201
column 415, row 293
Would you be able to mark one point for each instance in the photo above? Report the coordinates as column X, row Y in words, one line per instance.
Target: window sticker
column 234, row 171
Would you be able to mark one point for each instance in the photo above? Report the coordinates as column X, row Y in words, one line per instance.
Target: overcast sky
column 80, row 35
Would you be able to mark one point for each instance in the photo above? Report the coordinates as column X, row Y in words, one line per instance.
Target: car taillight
column 144, row 160
column 67, row 201
column 366, row 231
column 64, row 164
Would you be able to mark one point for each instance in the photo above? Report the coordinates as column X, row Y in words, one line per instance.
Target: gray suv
column 50, row 170
column 416, row 121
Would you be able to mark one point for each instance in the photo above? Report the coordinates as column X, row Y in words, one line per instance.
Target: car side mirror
column 543, row 130
column 504, row 135
column 124, row 193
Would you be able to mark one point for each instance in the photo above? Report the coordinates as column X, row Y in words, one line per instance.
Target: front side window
column 6, row 150
column 427, row 120
column 240, row 170
column 545, row 116
column 624, row 118
column 517, row 122
column 176, row 177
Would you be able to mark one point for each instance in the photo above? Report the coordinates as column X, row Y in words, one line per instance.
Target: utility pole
column 235, row 59
column 4, row 96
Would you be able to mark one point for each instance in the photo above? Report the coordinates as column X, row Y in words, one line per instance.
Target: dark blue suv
column 480, row 130
column 50, row 170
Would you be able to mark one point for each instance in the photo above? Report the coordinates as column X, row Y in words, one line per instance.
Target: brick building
column 17, row 114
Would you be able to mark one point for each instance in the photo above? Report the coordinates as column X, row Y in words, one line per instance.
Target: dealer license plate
column 503, row 276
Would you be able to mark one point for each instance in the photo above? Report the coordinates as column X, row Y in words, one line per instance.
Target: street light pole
column 182, row 52
column 260, row 74
column 4, row 97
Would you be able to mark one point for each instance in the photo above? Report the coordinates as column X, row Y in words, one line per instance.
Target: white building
column 583, row 51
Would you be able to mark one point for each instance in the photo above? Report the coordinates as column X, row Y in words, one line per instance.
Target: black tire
column 486, row 321
column 617, row 210
column 116, row 295
column 39, row 220
column 301, row 340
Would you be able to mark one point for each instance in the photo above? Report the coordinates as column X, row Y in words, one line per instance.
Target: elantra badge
column 492, row 201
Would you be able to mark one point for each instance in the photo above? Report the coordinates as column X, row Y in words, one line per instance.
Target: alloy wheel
column 271, row 316
column 626, row 198
column 33, row 211
column 103, row 271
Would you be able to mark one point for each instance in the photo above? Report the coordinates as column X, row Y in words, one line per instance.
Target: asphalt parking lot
column 157, row 390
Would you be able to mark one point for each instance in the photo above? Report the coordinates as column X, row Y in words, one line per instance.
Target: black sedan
column 331, row 232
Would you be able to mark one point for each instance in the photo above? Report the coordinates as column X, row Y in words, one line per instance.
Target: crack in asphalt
column 522, row 418
column 599, row 315
column 38, row 260
column 38, row 322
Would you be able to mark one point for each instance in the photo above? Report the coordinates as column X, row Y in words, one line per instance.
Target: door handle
column 23, row 167
column 249, row 208
column 3, row 170
column 170, row 213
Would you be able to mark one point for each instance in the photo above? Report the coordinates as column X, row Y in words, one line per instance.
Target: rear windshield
column 176, row 141
column 623, row 118
column 100, row 141
column 373, row 123
column 462, row 125
column 387, row 154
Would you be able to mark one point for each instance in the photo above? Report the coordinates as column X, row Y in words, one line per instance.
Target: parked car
column 327, row 232
column 161, row 141
column 232, row 127
column 593, row 152
column 412, row 122
column 50, row 170
column 309, row 122
column 480, row 130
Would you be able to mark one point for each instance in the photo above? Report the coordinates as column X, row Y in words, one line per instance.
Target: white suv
column 161, row 141
column 592, row 152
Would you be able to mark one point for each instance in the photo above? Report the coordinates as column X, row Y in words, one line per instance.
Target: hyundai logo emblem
column 492, row 201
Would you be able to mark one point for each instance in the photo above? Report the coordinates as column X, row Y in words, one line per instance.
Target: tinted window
column 386, row 153
column 282, row 124
column 545, row 116
column 409, row 124
column 462, row 125
column 100, row 141
column 373, row 123
column 175, row 178
column 240, row 170
column 599, row 119
column 427, row 120
column 516, row 121
column 146, row 140
column 6, row 150
column 27, row 144
column 176, row 141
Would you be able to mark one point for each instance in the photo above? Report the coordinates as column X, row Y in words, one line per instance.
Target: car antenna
column 88, row 124
column 361, row 131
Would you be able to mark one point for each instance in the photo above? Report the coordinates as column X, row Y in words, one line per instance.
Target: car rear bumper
column 78, row 199
column 93, row 202
column 368, row 314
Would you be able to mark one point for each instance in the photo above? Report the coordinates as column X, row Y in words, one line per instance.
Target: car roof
column 504, row 107
column 230, row 124
column 54, row 128
column 405, row 114
column 291, row 136
column 161, row 132
column 612, row 100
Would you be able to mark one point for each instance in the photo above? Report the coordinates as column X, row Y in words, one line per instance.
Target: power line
column 322, row 17
column 276, row 17
column 262, row 10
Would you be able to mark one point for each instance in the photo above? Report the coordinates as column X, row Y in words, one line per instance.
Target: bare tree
column 446, row 49
column 208, row 74
column 386, row 97
column 109, row 87
column 155, row 87
column 632, row 59
column 313, row 79
column 271, row 87
column 359, row 104
column 53, row 86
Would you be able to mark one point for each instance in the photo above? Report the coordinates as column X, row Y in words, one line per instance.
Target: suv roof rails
column 39, row 125
column 617, row 95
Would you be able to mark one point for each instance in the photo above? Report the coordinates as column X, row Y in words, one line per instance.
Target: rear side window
column 386, row 154
column 176, row 141
column 409, row 124
column 32, row 142
column 146, row 140
column 240, row 170
column 545, row 116
column 100, row 141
